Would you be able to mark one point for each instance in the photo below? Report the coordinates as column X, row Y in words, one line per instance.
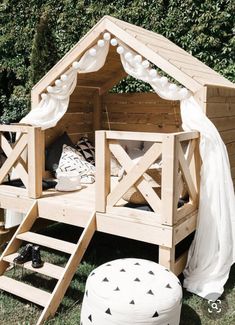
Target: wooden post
column 169, row 177
column 167, row 257
column 35, row 158
column 102, row 162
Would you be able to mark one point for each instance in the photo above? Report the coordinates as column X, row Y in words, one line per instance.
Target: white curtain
column 213, row 250
column 54, row 104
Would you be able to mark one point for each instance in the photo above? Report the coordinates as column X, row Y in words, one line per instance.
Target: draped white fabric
column 54, row 104
column 213, row 250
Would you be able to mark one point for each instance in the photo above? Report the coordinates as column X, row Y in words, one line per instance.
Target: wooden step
column 48, row 269
column 46, row 241
column 25, row 291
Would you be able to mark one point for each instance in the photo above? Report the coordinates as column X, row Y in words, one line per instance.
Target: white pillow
column 72, row 160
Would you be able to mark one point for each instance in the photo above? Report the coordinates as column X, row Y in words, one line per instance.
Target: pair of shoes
column 28, row 253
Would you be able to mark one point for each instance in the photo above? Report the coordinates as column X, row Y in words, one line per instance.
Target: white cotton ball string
column 138, row 58
column 107, row 36
column 173, row 87
column 49, row 89
column 58, row 83
column 43, row 96
column 183, row 92
column 114, row 42
column 128, row 56
column 120, row 50
column 100, row 43
column 64, row 77
column 164, row 81
column 75, row 65
column 145, row 63
column 153, row 73
column 92, row 52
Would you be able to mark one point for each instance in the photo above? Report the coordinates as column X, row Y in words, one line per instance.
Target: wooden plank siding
column 78, row 121
column 220, row 108
column 144, row 112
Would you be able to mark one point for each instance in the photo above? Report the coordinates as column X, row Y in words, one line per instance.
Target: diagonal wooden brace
column 14, row 155
column 135, row 175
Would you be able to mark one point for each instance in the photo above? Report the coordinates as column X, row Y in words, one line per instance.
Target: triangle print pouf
column 131, row 291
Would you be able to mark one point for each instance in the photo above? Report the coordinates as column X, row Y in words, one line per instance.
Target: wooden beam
column 102, row 162
column 112, row 82
column 97, row 111
column 169, row 178
column 35, row 161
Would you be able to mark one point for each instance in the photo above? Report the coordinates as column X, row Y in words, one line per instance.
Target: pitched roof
column 170, row 58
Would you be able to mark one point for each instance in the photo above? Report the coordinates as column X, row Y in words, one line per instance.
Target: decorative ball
column 184, row 92
column 107, row 36
column 163, row 81
column 92, row 52
column 114, row 42
column 100, row 43
column 75, row 64
column 64, row 87
column 172, row 87
column 138, row 58
column 128, row 56
column 145, row 63
column 49, row 89
column 140, row 71
column 153, row 73
column 64, row 77
column 120, row 50
column 43, row 96
column 58, row 83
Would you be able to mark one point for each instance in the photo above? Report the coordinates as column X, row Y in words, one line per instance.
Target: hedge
column 35, row 34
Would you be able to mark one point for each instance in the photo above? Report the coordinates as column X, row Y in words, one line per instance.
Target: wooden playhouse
column 111, row 118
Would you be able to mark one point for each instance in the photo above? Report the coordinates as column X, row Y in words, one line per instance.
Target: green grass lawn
column 103, row 248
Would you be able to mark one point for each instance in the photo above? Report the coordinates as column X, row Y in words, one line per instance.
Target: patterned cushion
column 86, row 148
column 72, row 160
column 129, row 292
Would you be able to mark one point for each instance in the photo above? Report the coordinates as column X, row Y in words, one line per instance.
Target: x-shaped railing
column 179, row 175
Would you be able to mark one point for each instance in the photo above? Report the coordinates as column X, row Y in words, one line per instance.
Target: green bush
column 35, row 34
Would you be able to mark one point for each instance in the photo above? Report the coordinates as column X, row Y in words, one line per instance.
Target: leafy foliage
column 34, row 34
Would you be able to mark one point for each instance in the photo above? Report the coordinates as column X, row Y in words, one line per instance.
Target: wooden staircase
column 64, row 275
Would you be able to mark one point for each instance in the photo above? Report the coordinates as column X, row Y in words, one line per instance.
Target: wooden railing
column 25, row 156
column 179, row 174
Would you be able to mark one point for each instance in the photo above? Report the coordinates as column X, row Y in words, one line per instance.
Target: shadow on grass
column 189, row 316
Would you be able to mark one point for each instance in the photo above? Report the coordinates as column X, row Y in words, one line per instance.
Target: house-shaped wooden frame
column 116, row 117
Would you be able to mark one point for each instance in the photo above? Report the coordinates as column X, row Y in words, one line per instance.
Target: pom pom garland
column 58, row 83
column 163, row 81
column 138, row 58
column 145, row 63
column 75, row 65
column 172, row 87
column 92, row 52
column 107, row 36
column 128, row 56
column 64, row 77
column 184, row 92
column 114, row 42
column 49, row 89
column 43, row 96
column 100, row 43
column 120, row 50
column 153, row 73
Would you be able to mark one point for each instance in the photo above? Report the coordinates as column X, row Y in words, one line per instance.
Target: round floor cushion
column 131, row 291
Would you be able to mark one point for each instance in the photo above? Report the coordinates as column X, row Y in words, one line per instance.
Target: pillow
column 86, row 148
column 72, row 160
column 53, row 152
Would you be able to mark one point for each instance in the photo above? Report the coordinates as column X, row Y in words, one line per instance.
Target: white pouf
column 131, row 291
